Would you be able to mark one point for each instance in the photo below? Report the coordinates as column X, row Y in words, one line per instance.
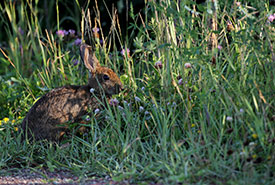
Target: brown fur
column 50, row 115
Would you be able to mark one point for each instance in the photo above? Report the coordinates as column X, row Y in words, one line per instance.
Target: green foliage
column 183, row 118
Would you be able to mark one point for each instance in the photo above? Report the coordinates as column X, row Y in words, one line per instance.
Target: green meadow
column 198, row 104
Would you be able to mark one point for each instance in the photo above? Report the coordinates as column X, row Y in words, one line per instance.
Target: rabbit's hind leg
column 50, row 133
column 57, row 134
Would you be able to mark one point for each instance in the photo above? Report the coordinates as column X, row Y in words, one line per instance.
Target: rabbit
column 50, row 116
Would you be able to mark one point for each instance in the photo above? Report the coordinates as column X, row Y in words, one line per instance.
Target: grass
column 211, row 123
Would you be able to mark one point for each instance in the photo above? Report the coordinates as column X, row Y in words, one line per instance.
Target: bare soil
column 27, row 176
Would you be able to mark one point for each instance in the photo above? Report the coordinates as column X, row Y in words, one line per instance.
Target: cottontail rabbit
column 48, row 117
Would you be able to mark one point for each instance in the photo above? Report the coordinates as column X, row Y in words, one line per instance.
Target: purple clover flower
column 158, row 65
column 77, row 41
column 114, row 102
column 241, row 111
column 97, row 111
column 137, row 99
column 219, row 47
column 187, row 65
column 71, row 32
column 271, row 17
column 92, row 90
column 66, row 32
column 180, row 82
column 95, row 30
column 120, row 108
column 75, row 61
column 20, row 30
column 229, row 118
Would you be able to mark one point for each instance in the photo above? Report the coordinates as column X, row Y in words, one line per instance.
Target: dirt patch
column 27, row 176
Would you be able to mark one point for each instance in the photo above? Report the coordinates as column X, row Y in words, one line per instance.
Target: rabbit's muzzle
column 110, row 90
column 116, row 89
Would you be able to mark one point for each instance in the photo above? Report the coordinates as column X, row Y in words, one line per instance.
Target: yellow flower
column 16, row 129
column 193, row 125
column 254, row 136
column 6, row 120
column 254, row 156
column 13, row 121
column 19, row 117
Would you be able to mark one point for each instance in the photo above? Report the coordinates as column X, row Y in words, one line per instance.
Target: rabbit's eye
column 106, row 77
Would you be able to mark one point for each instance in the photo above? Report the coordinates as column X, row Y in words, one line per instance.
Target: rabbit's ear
column 89, row 58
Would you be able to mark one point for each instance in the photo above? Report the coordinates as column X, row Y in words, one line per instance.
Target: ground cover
column 198, row 104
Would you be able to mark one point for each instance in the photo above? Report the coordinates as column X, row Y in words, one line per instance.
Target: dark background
column 70, row 14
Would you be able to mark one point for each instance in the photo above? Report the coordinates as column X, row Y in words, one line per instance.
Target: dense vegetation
column 191, row 111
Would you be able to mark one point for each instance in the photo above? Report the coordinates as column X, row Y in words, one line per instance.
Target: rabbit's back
column 48, row 116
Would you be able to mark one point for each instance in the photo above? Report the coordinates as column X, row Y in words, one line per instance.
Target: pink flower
column 219, row 47
column 187, row 65
column 271, row 17
column 158, row 65
column 238, row 3
column 123, row 52
column 61, row 33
